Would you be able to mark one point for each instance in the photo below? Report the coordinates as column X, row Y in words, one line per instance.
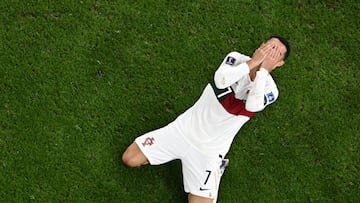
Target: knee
column 133, row 157
column 128, row 160
column 197, row 199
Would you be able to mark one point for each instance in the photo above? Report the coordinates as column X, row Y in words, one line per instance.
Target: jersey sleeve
column 263, row 93
column 232, row 68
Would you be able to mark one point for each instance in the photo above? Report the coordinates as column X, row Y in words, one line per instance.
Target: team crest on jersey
column 230, row 60
column 148, row 141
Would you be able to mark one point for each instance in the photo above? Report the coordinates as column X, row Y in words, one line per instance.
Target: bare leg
column 133, row 156
column 197, row 199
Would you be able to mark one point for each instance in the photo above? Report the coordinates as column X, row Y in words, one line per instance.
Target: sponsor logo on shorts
column 148, row 141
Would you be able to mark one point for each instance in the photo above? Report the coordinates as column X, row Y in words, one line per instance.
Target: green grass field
column 80, row 80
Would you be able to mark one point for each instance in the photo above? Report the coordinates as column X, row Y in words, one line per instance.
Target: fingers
column 275, row 53
column 273, row 59
column 266, row 50
column 271, row 53
column 266, row 47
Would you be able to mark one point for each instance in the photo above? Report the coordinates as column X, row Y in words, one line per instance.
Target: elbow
column 220, row 80
column 254, row 108
column 254, row 104
column 258, row 103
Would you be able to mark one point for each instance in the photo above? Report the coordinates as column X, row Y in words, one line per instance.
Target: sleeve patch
column 230, row 60
column 269, row 98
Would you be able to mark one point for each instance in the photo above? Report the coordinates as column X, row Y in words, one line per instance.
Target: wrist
column 252, row 64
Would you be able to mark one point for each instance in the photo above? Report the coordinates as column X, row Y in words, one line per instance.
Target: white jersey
column 225, row 105
column 206, row 130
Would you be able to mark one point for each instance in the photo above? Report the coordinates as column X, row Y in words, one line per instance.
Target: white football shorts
column 201, row 174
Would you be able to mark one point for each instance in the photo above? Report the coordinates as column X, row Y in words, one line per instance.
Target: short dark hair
column 284, row 41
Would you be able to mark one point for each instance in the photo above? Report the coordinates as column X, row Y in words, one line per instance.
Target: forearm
column 255, row 99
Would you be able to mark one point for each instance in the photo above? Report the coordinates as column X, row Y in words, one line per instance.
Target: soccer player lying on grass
column 201, row 136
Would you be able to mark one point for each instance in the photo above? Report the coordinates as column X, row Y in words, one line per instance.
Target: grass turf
column 80, row 80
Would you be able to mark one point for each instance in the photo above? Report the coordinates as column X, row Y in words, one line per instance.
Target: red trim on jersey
column 236, row 106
